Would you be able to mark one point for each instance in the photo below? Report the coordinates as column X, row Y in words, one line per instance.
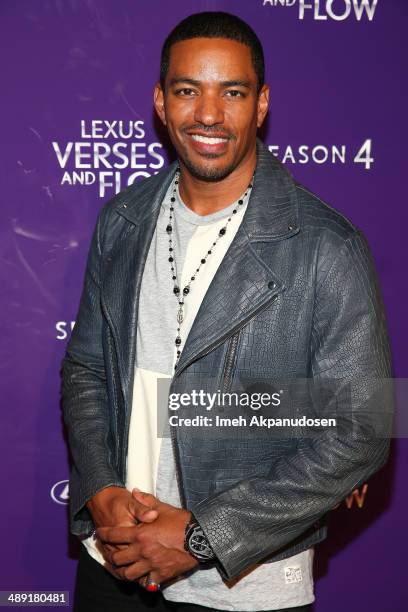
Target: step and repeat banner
column 78, row 126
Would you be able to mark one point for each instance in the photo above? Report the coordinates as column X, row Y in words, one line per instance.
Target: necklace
column 181, row 295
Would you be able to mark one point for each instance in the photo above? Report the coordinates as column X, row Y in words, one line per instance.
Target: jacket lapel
column 241, row 286
column 244, row 282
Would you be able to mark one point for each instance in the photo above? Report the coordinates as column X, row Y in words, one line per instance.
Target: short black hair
column 215, row 24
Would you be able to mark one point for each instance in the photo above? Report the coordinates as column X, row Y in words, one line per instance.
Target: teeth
column 207, row 140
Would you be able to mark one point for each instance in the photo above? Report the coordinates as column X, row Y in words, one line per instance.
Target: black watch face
column 199, row 545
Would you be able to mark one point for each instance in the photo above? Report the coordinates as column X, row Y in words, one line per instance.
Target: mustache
column 208, row 130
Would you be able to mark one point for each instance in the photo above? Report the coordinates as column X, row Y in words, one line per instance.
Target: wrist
column 196, row 542
column 103, row 495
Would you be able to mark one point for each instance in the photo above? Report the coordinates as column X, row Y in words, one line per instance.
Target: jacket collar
column 272, row 211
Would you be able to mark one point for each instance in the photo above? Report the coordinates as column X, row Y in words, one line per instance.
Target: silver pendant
column 180, row 315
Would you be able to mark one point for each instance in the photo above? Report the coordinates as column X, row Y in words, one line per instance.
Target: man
column 217, row 272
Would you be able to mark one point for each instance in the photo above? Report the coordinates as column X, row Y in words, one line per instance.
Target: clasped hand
column 154, row 547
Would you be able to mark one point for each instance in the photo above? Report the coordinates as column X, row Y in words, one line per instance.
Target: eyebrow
column 232, row 83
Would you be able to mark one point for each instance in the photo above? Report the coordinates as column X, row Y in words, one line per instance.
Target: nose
column 208, row 109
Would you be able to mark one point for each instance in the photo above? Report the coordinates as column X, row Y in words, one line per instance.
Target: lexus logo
column 60, row 492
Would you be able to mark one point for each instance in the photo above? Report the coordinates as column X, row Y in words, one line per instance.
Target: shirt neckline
column 195, row 219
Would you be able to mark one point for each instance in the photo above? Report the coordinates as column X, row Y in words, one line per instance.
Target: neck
column 205, row 197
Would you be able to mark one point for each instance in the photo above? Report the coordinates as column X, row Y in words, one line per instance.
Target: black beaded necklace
column 172, row 259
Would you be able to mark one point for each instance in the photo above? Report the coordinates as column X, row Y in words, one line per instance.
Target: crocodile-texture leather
column 298, row 290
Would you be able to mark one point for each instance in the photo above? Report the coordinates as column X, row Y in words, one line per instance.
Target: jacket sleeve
column 349, row 344
column 84, row 395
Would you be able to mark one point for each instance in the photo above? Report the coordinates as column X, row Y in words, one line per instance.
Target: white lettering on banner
column 337, row 10
column 280, row 2
column 322, row 154
column 114, row 129
column 62, row 329
column 364, row 155
column 78, row 178
column 88, row 162
column 93, row 155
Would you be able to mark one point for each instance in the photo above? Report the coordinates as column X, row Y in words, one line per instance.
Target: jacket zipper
column 208, row 349
column 229, row 362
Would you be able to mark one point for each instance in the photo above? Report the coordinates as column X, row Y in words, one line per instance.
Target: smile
column 208, row 139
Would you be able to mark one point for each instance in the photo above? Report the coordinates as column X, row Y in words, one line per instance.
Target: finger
column 131, row 554
column 117, row 535
column 107, row 550
column 143, row 580
column 143, row 516
column 147, row 499
column 129, row 572
column 113, row 547
column 141, row 510
column 152, row 581
column 163, row 564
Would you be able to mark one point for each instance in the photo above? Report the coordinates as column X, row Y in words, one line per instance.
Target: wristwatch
column 196, row 543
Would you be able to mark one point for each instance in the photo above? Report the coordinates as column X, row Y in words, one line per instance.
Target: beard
column 207, row 173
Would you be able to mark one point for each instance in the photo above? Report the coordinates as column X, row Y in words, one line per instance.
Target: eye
column 235, row 93
column 185, row 91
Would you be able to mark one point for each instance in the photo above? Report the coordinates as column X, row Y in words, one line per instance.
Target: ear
column 263, row 105
column 158, row 101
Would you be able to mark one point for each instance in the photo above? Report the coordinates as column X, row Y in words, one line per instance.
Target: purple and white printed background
column 338, row 103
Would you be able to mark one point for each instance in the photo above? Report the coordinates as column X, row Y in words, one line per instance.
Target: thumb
column 147, row 499
column 141, row 511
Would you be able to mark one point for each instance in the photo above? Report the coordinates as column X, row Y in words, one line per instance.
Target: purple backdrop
column 70, row 70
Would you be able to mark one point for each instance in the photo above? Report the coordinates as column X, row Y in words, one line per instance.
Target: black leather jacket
column 295, row 297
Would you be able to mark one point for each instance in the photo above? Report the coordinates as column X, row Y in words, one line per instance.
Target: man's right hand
column 116, row 507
